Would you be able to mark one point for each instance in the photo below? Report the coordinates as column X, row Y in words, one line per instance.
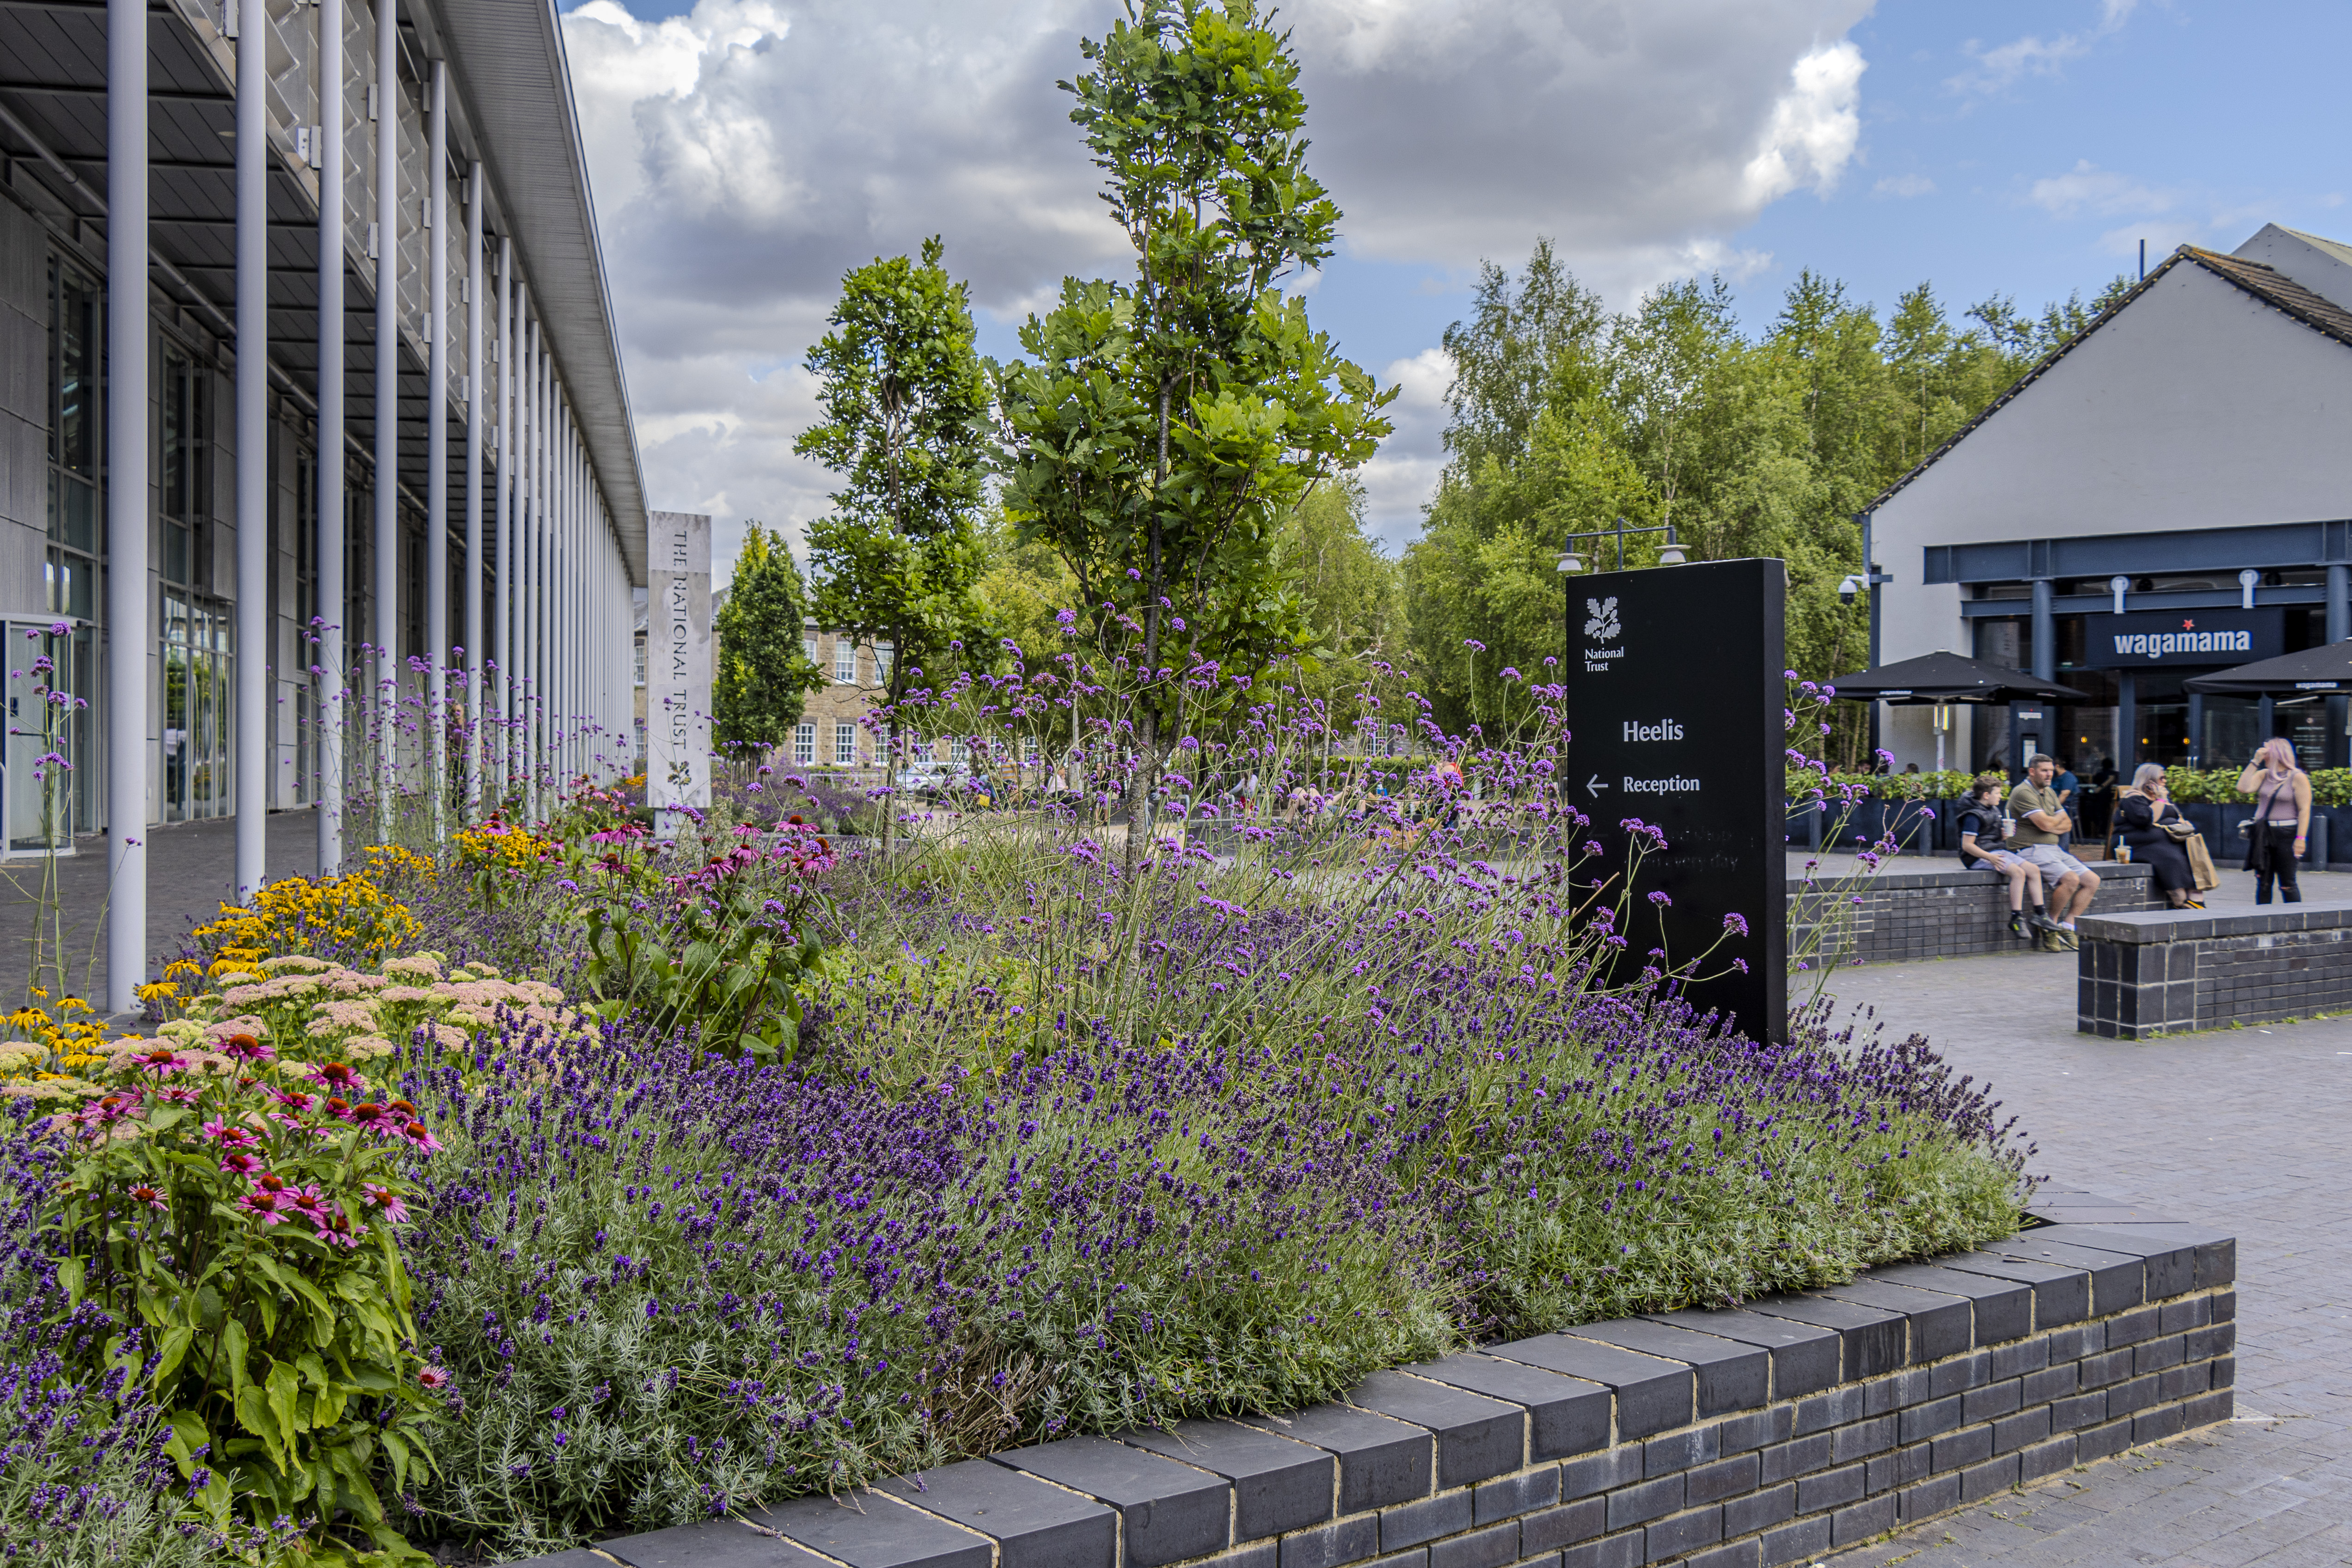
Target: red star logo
column 2189, row 625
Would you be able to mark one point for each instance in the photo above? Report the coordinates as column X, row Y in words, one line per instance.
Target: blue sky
column 1989, row 149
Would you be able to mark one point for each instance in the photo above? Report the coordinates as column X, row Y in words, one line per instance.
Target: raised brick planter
column 2146, row 974
column 1942, row 913
column 1729, row 1439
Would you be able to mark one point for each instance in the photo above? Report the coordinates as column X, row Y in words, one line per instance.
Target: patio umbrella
column 1949, row 677
column 2324, row 669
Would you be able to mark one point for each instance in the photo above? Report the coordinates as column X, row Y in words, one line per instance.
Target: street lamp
column 1870, row 578
column 1669, row 555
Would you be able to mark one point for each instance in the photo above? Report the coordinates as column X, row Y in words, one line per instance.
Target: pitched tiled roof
column 2268, row 284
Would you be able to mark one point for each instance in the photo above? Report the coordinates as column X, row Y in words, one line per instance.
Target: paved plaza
column 2243, row 1130
column 191, row 866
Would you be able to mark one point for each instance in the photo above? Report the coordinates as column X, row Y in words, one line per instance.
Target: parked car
column 926, row 778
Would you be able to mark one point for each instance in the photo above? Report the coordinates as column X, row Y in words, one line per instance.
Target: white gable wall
column 2196, row 406
column 2322, row 266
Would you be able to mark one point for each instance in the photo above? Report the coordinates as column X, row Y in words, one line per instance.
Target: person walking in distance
column 2281, row 823
column 2039, row 839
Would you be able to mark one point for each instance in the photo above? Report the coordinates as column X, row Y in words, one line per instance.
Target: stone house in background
column 830, row 733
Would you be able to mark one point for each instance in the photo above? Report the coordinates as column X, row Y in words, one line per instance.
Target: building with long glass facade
column 318, row 484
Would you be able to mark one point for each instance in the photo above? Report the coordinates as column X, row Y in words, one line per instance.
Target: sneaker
column 2018, row 927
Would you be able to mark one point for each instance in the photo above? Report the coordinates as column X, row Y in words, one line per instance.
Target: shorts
column 2000, row 860
column 2051, row 858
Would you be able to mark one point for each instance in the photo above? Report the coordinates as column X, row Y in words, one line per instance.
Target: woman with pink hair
column 2281, row 823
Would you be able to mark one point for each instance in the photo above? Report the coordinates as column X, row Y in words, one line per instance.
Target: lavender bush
column 1123, row 1089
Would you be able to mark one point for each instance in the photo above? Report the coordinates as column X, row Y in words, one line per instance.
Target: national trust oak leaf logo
column 1600, row 618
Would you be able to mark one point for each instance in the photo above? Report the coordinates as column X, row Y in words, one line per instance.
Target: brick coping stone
column 2153, row 926
column 1897, row 873
column 1742, row 1438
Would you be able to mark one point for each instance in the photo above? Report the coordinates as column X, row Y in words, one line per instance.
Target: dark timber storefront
column 2199, row 601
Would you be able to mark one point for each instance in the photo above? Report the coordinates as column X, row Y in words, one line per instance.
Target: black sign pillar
column 1674, row 706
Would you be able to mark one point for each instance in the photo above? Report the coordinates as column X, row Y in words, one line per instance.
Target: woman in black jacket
column 2138, row 812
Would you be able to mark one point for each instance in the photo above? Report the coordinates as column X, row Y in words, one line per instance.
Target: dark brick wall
column 1944, row 914
column 2151, row 974
column 1729, row 1439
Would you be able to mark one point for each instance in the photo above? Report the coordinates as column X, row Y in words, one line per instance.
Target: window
column 186, row 498
column 808, row 650
column 882, row 652
column 641, row 658
column 958, row 751
column 844, row 746
column 844, row 661
column 77, row 411
column 198, row 677
column 1029, row 751
column 70, row 569
column 306, row 637
column 805, row 744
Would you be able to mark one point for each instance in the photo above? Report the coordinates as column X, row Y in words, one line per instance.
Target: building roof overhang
column 506, row 61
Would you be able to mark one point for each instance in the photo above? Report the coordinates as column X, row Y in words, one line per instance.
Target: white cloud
column 1813, row 127
column 1992, row 69
column 1904, row 185
column 2088, row 187
column 746, row 154
column 1399, row 482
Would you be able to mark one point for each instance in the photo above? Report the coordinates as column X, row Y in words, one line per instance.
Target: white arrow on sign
column 1595, row 785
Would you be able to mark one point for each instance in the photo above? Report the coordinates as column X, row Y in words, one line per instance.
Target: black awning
column 2319, row 670
column 1949, row 677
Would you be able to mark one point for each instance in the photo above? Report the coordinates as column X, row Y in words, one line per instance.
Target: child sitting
column 1981, row 844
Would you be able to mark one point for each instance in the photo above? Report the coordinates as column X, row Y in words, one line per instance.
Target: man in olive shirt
column 2039, row 839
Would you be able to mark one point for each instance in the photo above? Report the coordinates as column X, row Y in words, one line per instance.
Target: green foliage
column 274, row 1298
column 1563, row 418
column 1159, row 430
column 722, row 952
column 762, row 674
column 906, row 404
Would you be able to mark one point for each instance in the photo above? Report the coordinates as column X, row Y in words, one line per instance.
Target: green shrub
column 241, row 1215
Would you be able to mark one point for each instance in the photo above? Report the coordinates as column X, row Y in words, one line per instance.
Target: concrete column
column 502, row 693
column 2127, row 751
column 251, row 717
column 2045, row 632
column 384, row 677
column 129, row 636
column 476, row 384
column 2339, row 627
column 436, row 448
column 333, row 680
column 534, row 575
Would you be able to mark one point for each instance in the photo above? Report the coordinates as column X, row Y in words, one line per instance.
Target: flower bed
column 640, row 1182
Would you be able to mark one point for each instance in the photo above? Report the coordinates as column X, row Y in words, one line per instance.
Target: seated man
column 1982, row 845
column 2039, row 839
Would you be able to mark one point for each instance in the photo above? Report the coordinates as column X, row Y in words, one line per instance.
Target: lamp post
column 1869, row 577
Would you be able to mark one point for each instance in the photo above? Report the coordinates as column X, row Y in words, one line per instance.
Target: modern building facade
column 2167, row 495
column 312, row 428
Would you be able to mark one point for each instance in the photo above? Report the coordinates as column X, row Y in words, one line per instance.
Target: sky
column 744, row 154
